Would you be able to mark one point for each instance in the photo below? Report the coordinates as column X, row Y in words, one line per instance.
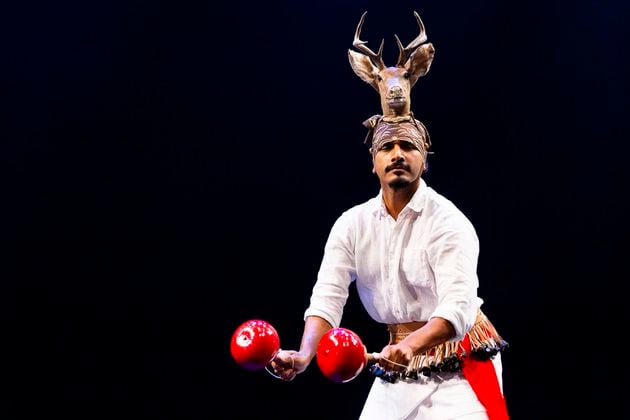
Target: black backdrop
column 171, row 169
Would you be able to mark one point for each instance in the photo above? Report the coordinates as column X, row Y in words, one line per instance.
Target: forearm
column 435, row 332
column 314, row 329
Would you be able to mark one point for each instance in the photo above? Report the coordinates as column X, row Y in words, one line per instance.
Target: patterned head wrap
column 408, row 129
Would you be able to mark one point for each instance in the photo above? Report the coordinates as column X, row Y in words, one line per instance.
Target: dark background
column 171, row 169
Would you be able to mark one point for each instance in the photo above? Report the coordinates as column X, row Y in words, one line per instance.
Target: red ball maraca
column 341, row 355
column 254, row 344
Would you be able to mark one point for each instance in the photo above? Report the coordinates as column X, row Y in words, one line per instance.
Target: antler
column 377, row 58
column 405, row 52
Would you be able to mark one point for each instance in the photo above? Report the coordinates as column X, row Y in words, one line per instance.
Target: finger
column 289, row 362
column 283, row 360
column 288, row 376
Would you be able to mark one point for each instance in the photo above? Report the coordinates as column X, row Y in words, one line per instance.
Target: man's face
column 398, row 164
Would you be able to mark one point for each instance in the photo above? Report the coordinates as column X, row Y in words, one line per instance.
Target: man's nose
column 397, row 152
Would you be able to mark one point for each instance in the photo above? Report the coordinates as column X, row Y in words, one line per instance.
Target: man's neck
column 395, row 199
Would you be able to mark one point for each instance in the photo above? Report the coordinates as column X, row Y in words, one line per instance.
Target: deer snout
column 395, row 92
column 397, row 100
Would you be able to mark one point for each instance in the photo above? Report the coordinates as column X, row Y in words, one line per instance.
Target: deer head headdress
column 394, row 87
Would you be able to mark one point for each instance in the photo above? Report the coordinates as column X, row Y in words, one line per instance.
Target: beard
column 399, row 183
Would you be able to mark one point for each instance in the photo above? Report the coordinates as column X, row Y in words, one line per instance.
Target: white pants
column 443, row 396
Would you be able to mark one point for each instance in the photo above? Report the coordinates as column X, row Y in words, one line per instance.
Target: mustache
column 397, row 165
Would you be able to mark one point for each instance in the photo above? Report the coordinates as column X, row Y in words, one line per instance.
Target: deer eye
column 379, row 78
column 406, row 75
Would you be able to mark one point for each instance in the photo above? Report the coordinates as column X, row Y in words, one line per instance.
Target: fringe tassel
column 485, row 343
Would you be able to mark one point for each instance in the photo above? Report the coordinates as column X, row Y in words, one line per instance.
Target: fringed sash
column 484, row 339
column 472, row 356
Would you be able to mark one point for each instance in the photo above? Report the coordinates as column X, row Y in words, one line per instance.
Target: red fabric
column 483, row 380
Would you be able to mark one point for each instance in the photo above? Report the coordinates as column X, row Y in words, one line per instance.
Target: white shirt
column 420, row 266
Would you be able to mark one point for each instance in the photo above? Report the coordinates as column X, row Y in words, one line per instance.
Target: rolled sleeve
column 327, row 301
column 337, row 271
column 454, row 261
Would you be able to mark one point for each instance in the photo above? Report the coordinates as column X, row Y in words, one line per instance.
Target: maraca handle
column 372, row 357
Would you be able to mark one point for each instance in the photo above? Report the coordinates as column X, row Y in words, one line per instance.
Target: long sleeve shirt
column 420, row 266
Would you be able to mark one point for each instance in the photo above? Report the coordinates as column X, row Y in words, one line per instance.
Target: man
column 413, row 256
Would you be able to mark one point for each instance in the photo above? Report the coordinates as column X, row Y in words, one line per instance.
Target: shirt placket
column 393, row 258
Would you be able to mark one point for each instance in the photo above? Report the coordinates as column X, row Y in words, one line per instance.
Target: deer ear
column 420, row 61
column 363, row 67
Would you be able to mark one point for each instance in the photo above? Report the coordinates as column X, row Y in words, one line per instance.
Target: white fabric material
column 442, row 396
column 420, row 266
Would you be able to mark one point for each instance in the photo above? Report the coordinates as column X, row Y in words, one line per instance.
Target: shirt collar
column 416, row 203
